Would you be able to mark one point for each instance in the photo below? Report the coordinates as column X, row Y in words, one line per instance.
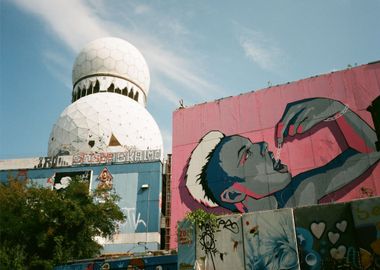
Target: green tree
column 40, row 227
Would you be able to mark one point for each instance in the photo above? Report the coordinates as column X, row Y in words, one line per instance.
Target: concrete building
column 305, row 152
column 108, row 138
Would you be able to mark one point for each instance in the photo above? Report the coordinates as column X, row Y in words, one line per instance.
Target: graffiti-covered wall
column 296, row 144
column 334, row 236
column 137, row 184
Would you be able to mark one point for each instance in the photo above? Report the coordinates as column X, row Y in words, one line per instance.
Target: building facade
column 137, row 183
column 302, row 143
column 108, row 138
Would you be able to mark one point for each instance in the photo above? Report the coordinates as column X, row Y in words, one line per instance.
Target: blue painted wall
column 142, row 207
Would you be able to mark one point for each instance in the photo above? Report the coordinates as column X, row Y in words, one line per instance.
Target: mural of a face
column 240, row 175
column 235, row 173
column 240, row 171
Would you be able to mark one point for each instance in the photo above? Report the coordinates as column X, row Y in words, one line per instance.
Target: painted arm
column 301, row 116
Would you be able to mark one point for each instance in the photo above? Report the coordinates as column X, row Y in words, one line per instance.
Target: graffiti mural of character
column 242, row 176
column 105, row 179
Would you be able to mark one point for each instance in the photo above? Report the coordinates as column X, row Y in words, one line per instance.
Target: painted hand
column 301, row 116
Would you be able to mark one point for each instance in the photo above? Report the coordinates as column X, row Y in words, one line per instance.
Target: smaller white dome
column 104, row 122
column 112, row 57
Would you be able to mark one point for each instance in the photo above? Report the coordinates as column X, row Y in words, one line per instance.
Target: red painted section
column 355, row 141
column 255, row 115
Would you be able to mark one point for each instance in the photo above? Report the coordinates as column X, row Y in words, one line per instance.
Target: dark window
column 83, row 92
column 114, row 141
column 125, row 91
column 91, row 143
column 131, row 94
column 96, row 87
column 78, row 93
column 89, row 90
column 118, row 90
column 136, row 96
column 111, row 88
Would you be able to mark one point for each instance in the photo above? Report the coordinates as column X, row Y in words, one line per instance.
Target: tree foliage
column 40, row 227
column 201, row 218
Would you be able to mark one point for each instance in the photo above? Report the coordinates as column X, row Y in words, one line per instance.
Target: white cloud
column 167, row 138
column 166, row 94
column 141, row 9
column 59, row 66
column 76, row 23
column 264, row 57
column 261, row 50
column 71, row 21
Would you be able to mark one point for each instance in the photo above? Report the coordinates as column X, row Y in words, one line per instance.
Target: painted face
column 249, row 170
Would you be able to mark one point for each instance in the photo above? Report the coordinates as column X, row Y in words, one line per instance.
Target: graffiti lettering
column 129, row 156
column 52, row 162
column 229, row 225
column 131, row 221
column 207, row 241
column 365, row 214
column 185, row 236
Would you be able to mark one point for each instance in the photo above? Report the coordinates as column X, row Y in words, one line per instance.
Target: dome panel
column 109, row 63
column 87, row 126
column 116, row 54
column 103, row 53
column 88, row 55
column 91, row 62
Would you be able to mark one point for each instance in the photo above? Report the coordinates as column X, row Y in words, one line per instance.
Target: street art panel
column 303, row 143
column 366, row 216
column 141, row 229
column 61, row 180
column 221, row 247
column 326, row 237
column 319, row 237
column 186, row 245
column 81, row 159
column 269, row 240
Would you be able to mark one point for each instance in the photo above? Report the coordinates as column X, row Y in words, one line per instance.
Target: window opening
column 78, row 93
column 136, row 96
column 114, row 141
column 131, row 94
column 111, row 88
column 89, row 90
column 125, row 91
column 83, row 92
column 96, row 87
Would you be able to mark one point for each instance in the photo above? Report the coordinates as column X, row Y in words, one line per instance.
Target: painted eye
column 244, row 157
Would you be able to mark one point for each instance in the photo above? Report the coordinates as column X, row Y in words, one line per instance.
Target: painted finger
column 299, row 123
column 309, row 124
column 283, row 127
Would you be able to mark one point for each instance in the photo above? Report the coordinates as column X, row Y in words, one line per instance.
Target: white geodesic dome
column 111, row 57
column 104, row 122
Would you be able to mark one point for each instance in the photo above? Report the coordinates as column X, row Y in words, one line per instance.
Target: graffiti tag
column 229, row 225
column 130, row 156
column 52, row 162
column 132, row 221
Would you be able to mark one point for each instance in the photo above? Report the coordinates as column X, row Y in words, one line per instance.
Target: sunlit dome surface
column 104, row 122
column 114, row 63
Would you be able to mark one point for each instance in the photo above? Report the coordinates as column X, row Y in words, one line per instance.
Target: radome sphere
column 104, row 122
column 111, row 63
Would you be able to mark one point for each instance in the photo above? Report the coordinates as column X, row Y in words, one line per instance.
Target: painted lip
column 277, row 165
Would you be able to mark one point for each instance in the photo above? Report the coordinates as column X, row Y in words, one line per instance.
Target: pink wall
column 255, row 115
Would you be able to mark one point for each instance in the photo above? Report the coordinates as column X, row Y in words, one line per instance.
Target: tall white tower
column 110, row 89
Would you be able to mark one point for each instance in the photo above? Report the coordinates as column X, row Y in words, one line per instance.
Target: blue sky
column 196, row 50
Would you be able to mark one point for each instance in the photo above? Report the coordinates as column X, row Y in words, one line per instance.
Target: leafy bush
column 40, row 227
